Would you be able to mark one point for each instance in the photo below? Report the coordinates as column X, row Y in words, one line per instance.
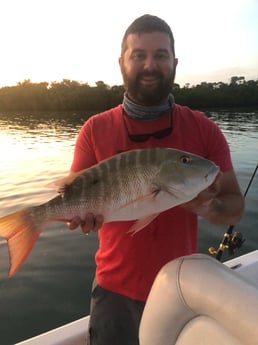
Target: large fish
column 134, row 185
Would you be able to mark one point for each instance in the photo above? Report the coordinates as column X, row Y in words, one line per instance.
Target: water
column 53, row 286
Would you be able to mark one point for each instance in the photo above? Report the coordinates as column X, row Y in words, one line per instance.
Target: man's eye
column 138, row 56
column 161, row 56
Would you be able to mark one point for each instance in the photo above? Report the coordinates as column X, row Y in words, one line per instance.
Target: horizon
column 20, row 82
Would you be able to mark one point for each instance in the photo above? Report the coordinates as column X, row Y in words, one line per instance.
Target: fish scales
column 122, row 178
column 126, row 161
column 133, row 180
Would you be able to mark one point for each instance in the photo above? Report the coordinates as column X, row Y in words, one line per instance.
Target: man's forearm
column 223, row 209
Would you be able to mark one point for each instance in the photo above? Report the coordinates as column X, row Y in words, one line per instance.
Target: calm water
column 52, row 287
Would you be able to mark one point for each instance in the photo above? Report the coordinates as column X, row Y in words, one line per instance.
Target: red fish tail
column 21, row 234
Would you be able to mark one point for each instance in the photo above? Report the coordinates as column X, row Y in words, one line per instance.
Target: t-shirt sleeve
column 84, row 155
column 217, row 147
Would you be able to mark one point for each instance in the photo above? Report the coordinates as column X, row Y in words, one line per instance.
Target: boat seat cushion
column 203, row 330
column 195, row 298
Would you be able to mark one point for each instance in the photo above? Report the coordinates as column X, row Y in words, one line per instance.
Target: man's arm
column 222, row 203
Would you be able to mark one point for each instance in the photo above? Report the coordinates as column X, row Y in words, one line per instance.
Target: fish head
column 184, row 175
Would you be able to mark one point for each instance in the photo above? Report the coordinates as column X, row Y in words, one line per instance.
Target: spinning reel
column 230, row 241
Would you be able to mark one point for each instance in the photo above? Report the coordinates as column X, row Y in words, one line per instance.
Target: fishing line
column 229, row 241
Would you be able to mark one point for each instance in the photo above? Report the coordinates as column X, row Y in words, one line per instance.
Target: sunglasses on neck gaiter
column 162, row 133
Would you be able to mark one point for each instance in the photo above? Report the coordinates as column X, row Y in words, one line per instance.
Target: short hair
column 147, row 24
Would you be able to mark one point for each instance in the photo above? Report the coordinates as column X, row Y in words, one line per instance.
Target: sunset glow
column 52, row 40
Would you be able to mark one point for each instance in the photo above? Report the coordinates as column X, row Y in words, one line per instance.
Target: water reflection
column 43, row 124
column 237, row 121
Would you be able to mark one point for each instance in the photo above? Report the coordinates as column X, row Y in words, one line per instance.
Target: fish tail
column 21, row 233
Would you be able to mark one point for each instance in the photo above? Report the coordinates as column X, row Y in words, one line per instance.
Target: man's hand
column 201, row 203
column 88, row 224
column 222, row 203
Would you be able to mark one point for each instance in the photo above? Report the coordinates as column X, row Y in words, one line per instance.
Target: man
column 148, row 117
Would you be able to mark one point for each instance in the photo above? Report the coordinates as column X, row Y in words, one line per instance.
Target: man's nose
column 150, row 63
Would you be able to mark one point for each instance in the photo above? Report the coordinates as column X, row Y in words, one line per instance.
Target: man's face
column 148, row 67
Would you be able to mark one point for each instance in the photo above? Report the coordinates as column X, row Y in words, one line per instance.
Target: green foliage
column 73, row 95
column 238, row 93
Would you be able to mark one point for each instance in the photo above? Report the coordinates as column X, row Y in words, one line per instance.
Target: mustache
column 156, row 74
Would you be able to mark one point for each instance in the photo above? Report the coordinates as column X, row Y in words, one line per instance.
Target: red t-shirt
column 128, row 264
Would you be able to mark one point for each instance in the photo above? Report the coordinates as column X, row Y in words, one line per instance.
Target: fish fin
column 141, row 223
column 21, row 234
column 142, row 199
column 60, row 184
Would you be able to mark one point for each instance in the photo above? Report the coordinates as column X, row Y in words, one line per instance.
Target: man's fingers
column 90, row 223
column 99, row 219
column 74, row 223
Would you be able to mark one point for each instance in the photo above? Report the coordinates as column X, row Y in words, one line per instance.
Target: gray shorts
column 114, row 318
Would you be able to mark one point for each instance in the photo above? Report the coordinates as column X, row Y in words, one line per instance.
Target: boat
column 195, row 299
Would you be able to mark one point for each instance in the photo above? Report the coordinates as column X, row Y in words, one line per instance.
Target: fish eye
column 185, row 159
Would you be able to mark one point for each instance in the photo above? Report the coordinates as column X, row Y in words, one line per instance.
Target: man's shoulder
column 115, row 111
column 189, row 118
column 185, row 110
column 105, row 120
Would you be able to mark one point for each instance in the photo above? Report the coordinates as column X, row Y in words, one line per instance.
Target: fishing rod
column 231, row 241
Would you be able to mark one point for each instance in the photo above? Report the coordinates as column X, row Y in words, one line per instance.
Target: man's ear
column 120, row 61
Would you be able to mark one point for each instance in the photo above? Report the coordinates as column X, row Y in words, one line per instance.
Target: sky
column 52, row 40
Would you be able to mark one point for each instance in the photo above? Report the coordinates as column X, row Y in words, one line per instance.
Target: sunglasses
column 162, row 133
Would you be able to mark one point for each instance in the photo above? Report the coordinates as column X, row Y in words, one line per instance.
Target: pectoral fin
column 141, row 223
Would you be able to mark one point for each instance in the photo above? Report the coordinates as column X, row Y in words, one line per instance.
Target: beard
column 144, row 95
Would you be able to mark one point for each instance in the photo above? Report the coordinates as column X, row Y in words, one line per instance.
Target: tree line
column 74, row 95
